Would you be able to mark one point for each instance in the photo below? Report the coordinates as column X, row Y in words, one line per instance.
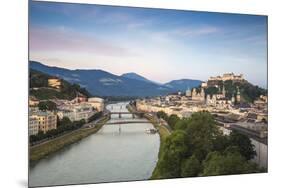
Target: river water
column 115, row 153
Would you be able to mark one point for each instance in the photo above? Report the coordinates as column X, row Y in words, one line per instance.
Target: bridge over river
column 134, row 114
column 125, row 122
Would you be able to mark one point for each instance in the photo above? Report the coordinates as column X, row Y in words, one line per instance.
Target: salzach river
column 115, row 153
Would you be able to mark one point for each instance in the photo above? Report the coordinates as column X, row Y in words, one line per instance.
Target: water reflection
column 108, row 155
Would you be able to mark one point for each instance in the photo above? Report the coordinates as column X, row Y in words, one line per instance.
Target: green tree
column 246, row 148
column 64, row 121
column 230, row 163
column 162, row 115
column 37, row 79
column 175, row 149
column 172, row 120
column 191, row 167
column 202, row 131
column 181, row 124
column 47, row 105
column 95, row 116
column 212, row 90
column 220, row 143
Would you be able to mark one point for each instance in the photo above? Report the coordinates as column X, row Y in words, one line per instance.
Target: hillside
column 183, row 84
column 38, row 84
column 135, row 76
column 102, row 83
column 248, row 91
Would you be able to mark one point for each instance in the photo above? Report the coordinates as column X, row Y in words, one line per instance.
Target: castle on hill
column 227, row 76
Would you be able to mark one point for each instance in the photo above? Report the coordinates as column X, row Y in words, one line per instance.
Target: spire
column 188, row 92
column 232, row 98
column 238, row 95
column 223, row 90
column 238, row 91
column 194, row 91
column 202, row 92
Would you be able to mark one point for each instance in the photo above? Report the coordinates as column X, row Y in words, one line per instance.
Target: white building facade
column 97, row 103
column 33, row 125
column 76, row 112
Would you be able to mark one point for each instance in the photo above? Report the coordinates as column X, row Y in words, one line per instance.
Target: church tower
column 238, row 98
column 194, row 92
column 202, row 95
column 223, row 91
column 232, row 99
column 202, row 92
column 188, row 93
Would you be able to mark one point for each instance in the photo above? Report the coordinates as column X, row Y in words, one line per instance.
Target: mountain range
column 102, row 83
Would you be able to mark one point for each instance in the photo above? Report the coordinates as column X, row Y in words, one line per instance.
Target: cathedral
column 200, row 96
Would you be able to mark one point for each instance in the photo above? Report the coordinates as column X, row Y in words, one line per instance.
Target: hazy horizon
column 160, row 45
column 190, row 78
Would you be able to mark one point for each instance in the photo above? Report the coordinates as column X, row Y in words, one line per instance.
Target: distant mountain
column 183, row 84
column 102, row 83
column 135, row 76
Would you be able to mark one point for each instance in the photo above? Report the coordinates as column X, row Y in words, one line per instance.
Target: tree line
column 95, row 116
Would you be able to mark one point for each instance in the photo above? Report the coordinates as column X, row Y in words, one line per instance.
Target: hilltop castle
column 227, row 76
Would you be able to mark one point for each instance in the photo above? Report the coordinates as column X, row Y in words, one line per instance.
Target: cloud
column 195, row 32
column 62, row 39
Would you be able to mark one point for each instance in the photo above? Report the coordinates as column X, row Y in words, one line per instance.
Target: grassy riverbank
column 38, row 152
column 163, row 133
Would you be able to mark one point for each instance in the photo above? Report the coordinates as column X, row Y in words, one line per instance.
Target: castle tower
column 194, row 92
column 238, row 98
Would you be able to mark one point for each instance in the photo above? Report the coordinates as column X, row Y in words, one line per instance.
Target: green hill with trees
column 248, row 91
column 38, row 84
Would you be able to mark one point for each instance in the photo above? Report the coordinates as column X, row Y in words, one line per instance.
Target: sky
column 161, row 45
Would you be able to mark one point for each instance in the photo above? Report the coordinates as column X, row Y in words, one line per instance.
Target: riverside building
column 76, row 111
column 97, row 103
column 46, row 120
column 33, row 125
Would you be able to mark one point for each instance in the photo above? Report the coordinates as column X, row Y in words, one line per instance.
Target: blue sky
column 161, row 45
